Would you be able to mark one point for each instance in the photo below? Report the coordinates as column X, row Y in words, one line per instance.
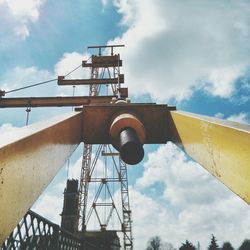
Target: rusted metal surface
column 52, row 101
column 123, row 92
column 222, row 147
column 103, row 62
column 130, row 147
column 30, row 158
column 62, row 81
column 98, row 119
column 2, row 93
column 122, row 122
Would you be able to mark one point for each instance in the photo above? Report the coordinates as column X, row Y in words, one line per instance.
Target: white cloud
column 7, row 128
column 22, row 32
column 29, row 9
column 241, row 118
column 220, row 82
column 104, row 2
column 18, row 16
column 180, row 176
column 75, row 169
column 173, row 48
column 193, row 204
column 49, row 206
column 65, row 65
column 219, row 115
column 20, row 77
column 149, row 219
column 68, row 62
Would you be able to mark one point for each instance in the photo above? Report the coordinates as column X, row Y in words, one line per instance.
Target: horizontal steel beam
column 222, row 147
column 103, row 61
column 30, row 158
column 106, row 46
column 98, row 118
column 53, row 101
column 101, row 65
column 62, row 81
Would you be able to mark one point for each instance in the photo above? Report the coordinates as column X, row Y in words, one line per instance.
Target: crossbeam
column 103, row 62
column 30, row 158
column 220, row 146
column 62, row 81
column 106, row 46
column 100, row 47
column 53, row 101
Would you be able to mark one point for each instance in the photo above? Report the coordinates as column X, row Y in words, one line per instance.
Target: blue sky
column 194, row 55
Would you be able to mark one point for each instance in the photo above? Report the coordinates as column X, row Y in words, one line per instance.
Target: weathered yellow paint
column 30, row 158
column 222, row 147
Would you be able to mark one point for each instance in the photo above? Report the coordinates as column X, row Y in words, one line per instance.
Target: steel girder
column 30, row 159
column 220, row 146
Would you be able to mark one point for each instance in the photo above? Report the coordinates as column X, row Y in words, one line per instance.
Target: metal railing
column 38, row 233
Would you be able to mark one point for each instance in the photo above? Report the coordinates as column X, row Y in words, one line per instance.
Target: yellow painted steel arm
column 29, row 160
column 222, row 147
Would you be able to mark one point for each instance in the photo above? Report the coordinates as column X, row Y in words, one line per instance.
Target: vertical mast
column 103, row 208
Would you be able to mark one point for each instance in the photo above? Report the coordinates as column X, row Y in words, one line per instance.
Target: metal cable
column 44, row 82
column 73, row 70
column 76, row 68
column 30, row 86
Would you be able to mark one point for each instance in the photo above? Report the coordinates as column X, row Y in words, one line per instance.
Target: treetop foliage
column 187, row 246
column 227, row 246
column 213, row 244
column 155, row 243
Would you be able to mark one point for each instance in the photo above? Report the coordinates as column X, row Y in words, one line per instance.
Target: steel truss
column 104, row 207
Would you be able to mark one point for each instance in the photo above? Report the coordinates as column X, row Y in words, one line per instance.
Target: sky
column 193, row 54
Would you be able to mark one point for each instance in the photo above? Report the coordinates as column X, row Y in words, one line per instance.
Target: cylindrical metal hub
column 130, row 147
column 128, row 136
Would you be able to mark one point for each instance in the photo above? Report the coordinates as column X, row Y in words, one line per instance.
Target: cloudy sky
column 193, row 54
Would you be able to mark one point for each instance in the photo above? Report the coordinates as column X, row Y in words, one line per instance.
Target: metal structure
column 105, row 70
column 31, row 157
column 35, row 232
column 69, row 220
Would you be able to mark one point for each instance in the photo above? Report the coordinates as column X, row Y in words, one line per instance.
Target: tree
column 154, row 243
column 227, row 246
column 167, row 246
column 213, row 244
column 187, row 246
column 245, row 245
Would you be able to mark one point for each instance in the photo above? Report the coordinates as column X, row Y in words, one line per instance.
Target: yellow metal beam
column 222, row 147
column 30, row 158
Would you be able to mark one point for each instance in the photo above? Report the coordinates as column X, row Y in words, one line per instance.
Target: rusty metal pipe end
column 128, row 136
column 131, row 149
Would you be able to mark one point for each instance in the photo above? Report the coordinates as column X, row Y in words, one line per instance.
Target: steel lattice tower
column 113, row 179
